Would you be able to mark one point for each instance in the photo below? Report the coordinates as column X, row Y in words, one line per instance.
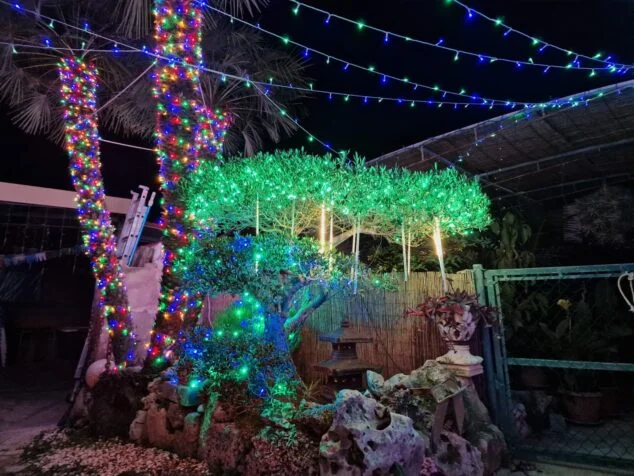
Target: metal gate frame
column 496, row 361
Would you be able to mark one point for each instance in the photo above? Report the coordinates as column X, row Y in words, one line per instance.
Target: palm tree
column 238, row 51
column 30, row 86
column 183, row 94
column 54, row 91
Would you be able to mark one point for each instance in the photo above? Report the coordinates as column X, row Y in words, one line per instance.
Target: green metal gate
column 560, row 368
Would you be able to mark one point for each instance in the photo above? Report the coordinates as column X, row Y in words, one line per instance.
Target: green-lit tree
column 288, row 211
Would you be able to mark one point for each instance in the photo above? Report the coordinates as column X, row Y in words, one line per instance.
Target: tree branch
column 294, row 323
column 340, row 238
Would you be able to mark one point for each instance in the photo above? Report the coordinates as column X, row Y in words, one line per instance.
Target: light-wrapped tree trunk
column 79, row 98
column 184, row 127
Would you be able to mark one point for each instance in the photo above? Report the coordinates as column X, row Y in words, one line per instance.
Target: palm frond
column 135, row 18
column 34, row 115
column 13, row 84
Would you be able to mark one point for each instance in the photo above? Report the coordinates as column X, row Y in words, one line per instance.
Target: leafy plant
column 513, row 234
column 603, row 217
column 580, row 332
column 453, row 309
column 524, row 308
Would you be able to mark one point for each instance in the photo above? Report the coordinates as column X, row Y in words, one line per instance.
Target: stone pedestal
column 464, row 371
column 459, row 354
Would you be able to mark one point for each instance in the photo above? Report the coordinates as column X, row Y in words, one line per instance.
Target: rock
column 430, row 375
column 222, row 414
column 419, row 409
column 225, row 448
column 375, row 383
column 400, row 394
column 154, row 385
column 537, row 405
column 365, row 438
column 476, row 413
column 158, row 434
column 96, row 370
column 138, row 428
column 557, row 423
column 396, row 382
column 168, row 391
column 279, row 452
column 315, row 420
column 189, row 397
column 186, row 443
column 482, row 433
column 489, row 440
column 455, row 456
column 175, row 416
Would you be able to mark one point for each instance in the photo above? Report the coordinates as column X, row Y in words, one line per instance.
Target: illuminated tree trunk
column 184, row 127
column 78, row 89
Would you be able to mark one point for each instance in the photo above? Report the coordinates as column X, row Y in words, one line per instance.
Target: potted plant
column 457, row 316
column 579, row 336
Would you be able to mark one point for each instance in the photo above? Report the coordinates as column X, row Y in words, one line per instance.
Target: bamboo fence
column 400, row 344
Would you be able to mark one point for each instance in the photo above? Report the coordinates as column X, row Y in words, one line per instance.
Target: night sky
column 374, row 129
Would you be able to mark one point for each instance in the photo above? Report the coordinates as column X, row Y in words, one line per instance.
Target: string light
column 172, row 60
column 557, row 103
column 185, row 129
column 348, row 64
column 471, row 13
column 607, row 64
column 79, row 97
column 379, row 99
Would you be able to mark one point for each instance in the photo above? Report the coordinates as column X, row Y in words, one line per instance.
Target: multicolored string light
column 79, row 99
column 184, row 128
column 597, row 63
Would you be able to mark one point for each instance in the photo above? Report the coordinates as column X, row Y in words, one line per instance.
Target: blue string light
column 536, row 41
column 347, row 64
column 365, row 99
column 471, row 14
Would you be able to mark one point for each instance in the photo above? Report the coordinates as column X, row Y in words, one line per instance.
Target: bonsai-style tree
column 266, row 225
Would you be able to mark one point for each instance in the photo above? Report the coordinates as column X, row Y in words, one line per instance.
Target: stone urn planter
column 457, row 316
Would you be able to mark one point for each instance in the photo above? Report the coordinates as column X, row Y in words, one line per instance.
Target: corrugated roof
column 539, row 153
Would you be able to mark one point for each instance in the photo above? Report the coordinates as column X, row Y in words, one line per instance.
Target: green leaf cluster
column 289, row 188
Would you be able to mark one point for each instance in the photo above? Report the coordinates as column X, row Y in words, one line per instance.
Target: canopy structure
column 542, row 153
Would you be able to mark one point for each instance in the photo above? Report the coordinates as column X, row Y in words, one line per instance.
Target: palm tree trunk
column 184, row 127
column 78, row 88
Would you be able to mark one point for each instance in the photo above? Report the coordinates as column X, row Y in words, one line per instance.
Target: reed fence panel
column 400, row 344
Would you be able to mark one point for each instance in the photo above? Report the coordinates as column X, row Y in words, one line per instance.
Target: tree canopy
column 284, row 192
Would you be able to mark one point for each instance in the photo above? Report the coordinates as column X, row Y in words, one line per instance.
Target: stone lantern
column 344, row 369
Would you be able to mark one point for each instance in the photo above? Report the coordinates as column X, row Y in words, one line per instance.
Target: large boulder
column 365, row 438
column 400, row 394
